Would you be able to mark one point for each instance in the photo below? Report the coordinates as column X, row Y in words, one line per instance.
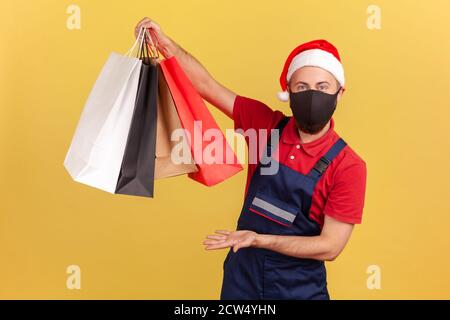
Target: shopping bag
column 148, row 153
column 96, row 151
column 196, row 120
column 138, row 164
column 168, row 122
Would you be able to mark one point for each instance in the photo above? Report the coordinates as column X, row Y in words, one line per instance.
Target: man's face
column 315, row 78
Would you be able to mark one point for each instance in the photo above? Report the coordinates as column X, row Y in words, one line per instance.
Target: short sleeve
column 346, row 197
column 250, row 113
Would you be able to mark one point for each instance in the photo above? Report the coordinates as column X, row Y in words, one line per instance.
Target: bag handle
column 141, row 39
column 153, row 47
column 128, row 53
column 143, row 50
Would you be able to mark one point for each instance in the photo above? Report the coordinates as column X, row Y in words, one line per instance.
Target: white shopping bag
column 96, row 152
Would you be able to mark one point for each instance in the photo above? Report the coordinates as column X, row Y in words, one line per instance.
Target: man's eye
column 323, row 88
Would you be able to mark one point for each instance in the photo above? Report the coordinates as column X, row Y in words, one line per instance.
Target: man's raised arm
column 210, row 89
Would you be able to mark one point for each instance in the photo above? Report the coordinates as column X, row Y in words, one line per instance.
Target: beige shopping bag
column 167, row 121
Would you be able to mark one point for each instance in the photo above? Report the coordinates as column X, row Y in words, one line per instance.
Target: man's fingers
column 148, row 24
column 217, row 237
column 224, row 232
column 213, row 241
column 216, row 246
column 222, row 245
column 139, row 25
column 219, row 240
column 238, row 245
column 144, row 19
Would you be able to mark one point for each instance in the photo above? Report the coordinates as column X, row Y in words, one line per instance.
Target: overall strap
column 280, row 126
column 323, row 163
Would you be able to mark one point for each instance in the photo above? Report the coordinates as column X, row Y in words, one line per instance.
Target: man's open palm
column 225, row 239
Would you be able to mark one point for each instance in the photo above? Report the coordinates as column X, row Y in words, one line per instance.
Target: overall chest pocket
column 274, row 209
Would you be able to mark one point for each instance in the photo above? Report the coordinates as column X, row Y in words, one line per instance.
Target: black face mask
column 312, row 109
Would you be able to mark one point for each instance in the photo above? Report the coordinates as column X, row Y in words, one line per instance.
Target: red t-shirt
column 340, row 191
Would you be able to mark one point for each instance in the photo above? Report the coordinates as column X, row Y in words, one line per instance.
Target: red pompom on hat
column 316, row 53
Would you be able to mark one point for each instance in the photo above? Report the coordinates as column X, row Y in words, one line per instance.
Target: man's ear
column 341, row 92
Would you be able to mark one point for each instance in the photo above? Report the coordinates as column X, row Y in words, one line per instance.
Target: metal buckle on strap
column 322, row 165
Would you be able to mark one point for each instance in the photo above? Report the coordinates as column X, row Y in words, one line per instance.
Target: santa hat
column 316, row 53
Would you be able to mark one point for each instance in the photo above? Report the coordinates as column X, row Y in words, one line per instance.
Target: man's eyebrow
column 300, row 82
column 318, row 83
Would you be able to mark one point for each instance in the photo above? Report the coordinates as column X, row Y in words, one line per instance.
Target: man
column 294, row 220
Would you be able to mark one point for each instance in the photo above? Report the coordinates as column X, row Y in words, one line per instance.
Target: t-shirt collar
column 291, row 136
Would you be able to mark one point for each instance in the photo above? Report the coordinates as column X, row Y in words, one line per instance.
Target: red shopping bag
column 196, row 119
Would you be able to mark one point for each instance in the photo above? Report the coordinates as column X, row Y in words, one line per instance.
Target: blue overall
column 278, row 204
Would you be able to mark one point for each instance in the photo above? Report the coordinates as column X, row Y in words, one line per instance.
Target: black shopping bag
column 138, row 165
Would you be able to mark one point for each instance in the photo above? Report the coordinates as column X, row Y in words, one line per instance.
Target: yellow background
column 394, row 114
